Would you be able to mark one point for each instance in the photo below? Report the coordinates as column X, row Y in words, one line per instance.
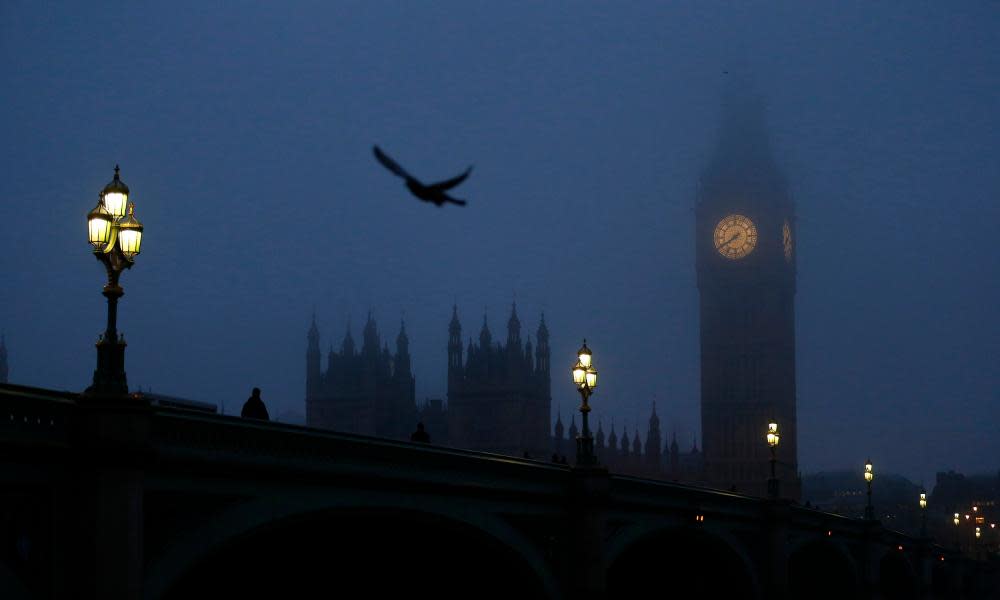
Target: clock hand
column 727, row 242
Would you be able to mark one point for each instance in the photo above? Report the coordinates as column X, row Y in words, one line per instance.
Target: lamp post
column 869, row 475
column 923, row 513
column 772, row 441
column 958, row 540
column 116, row 236
column 585, row 378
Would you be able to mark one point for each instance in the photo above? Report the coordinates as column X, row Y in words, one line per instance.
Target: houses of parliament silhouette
column 499, row 397
column 498, row 394
column 499, row 400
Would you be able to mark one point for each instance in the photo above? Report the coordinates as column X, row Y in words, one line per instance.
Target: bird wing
column 447, row 184
column 390, row 164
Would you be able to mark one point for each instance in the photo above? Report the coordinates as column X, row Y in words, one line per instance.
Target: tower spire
column 485, row 337
column 313, row 374
column 542, row 349
column 454, row 344
column 513, row 328
column 402, row 361
column 370, row 341
column 347, row 347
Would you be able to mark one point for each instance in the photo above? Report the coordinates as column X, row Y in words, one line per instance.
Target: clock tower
column 745, row 240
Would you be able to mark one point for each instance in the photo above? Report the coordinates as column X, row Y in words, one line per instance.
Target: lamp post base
column 585, row 451
column 109, row 377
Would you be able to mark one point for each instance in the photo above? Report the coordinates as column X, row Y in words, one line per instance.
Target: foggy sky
column 245, row 131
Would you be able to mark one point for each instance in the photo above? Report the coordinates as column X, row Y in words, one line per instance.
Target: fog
column 245, row 136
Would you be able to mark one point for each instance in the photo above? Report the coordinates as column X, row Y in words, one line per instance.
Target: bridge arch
column 12, row 585
column 415, row 534
column 821, row 569
column 897, row 578
column 944, row 578
column 710, row 561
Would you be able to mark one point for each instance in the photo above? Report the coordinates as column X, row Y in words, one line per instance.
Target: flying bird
column 434, row 192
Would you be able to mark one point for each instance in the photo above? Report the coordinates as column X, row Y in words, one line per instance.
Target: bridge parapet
column 122, row 499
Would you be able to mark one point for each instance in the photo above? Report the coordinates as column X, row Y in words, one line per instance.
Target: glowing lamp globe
column 585, row 355
column 591, row 378
column 869, row 473
column 923, row 500
column 130, row 234
column 99, row 223
column 772, row 435
column 115, row 196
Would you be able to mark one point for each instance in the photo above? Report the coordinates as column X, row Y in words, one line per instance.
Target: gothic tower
column 454, row 345
column 560, row 436
column 654, row 445
column 370, row 393
column 542, row 353
column 745, row 257
column 499, row 400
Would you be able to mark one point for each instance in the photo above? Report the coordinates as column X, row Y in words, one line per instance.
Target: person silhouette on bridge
column 420, row 435
column 254, row 407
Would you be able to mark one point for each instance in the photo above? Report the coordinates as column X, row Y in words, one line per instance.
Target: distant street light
column 772, row 441
column 116, row 236
column 585, row 378
column 869, row 475
column 923, row 513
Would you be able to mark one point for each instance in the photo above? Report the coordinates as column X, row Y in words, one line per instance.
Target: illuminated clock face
column 735, row 236
column 786, row 239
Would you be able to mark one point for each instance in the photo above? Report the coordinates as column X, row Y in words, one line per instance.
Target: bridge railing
column 36, row 417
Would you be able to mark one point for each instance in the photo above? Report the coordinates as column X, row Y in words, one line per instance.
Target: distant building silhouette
column 370, row 392
column 499, row 397
column 654, row 444
column 498, row 394
column 958, row 492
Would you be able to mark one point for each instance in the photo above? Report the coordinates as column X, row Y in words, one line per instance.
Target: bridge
column 123, row 498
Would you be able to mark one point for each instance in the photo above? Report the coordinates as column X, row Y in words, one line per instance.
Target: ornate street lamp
column 585, row 379
column 869, row 475
column 116, row 236
column 923, row 513
column 773, row 438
